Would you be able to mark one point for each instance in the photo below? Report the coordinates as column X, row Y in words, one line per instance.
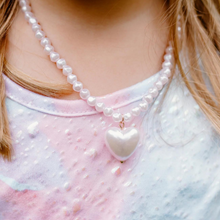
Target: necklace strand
column 122, row 141
column 78, row 86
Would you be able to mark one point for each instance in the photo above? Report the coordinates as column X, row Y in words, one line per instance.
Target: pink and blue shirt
column 62, row 170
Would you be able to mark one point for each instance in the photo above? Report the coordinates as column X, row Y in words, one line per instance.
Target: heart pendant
column 122, row 143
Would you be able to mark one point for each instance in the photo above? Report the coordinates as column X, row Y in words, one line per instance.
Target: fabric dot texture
column 62, row 170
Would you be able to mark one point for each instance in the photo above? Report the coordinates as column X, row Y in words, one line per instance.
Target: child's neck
column 110, row 44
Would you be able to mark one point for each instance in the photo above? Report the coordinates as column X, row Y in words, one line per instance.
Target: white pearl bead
column 154, row 92
column 32, row 21
column 67, row 70
column 71, row 78
column 148, row 98
column 54, row 56
column 127, row 117
column 136, row 111
column 169, row 50
column 164, row 79
column 48, row 49
column 143, row 106
column 39, row 34
column 99, row 106
column 168, row 57
column 26, row 8
column 167, row 72
column 84, row 93
column 44, row 41
column 60, row 63
column 77, row 86
column 23, row 3
column 28, row 15
column 91, row 101
column 108, row 111
column 36, row 27
column 159, row 85
column 117, row 117
column 167, row 64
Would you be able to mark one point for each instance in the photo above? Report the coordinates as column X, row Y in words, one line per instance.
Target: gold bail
column 122, row 123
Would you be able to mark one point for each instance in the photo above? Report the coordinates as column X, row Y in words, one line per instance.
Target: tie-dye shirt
column 62, row 170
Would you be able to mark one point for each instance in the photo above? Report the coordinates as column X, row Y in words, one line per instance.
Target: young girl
column 110, row 109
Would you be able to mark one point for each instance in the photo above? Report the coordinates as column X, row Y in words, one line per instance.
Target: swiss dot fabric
column 62, row 170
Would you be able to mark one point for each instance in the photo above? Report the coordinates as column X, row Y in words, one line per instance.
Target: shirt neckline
column 79, row 107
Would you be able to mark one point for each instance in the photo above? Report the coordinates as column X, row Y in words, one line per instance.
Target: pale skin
column 110, row 44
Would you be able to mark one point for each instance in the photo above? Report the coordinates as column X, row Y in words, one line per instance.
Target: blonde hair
column 200, row 42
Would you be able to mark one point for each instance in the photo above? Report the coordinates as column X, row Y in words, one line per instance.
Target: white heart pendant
column 122, row 143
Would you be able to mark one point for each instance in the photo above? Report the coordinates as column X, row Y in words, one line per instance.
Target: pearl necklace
column 122, row 141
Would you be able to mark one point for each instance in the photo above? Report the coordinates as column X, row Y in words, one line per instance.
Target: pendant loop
column 122, row 123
